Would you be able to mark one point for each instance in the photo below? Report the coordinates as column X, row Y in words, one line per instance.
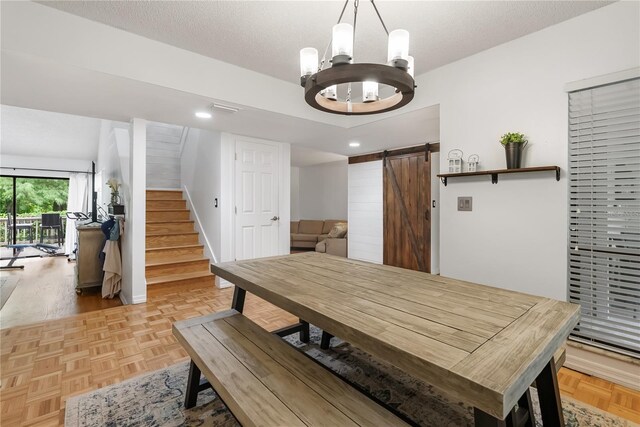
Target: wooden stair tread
column 173, row 255
column 174, row 247
column 178, row 277
column 170, row 221
column 175, row 260
column 265, row 381
column 179, row 233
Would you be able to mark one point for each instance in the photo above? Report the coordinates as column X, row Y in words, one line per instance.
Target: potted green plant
column 514, row 143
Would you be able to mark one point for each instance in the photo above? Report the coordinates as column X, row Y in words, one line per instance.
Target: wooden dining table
column 479, row 344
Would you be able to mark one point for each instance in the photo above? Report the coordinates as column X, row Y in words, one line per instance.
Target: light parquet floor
column 45, row 363
column 46, row 291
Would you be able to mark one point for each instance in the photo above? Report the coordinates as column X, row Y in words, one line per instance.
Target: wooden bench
column 264, row 381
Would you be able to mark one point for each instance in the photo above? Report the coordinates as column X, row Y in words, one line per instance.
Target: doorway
column 257, row 218
column 33, row 211
column 407, row 208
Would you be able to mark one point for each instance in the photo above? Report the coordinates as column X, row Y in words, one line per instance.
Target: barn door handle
column 275, row 218
column 426, row 215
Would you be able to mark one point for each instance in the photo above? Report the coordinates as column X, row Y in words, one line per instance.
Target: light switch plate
column 465, row 203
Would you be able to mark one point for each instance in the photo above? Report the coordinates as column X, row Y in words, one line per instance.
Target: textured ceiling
column 266, row 36
column 27, row 132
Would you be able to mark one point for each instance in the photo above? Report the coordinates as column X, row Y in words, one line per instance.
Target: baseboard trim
column 139, row 299
column 163, row 189
column 602, row 366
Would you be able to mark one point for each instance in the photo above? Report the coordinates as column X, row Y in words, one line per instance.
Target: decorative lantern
column 472, row 163
column 455, row 161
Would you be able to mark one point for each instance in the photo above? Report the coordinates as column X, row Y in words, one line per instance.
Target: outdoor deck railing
column 23, row 235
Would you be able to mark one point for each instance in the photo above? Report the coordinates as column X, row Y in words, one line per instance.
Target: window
column 604, row 214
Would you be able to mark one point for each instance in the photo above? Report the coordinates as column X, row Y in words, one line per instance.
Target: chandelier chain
column 356, row 3
column 379, row 17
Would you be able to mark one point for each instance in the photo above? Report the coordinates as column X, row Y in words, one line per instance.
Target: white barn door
column 257, row 199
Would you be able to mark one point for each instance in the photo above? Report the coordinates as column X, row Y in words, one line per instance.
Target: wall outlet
column 465, row 203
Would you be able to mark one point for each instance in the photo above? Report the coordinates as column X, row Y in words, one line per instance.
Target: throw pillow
column 338, row 231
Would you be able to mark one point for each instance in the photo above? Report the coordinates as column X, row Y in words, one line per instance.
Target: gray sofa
column 306, row 234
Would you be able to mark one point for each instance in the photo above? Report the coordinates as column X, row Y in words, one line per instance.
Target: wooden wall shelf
column 494, row 173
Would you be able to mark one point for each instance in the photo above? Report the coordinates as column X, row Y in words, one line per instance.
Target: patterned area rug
column 156, row 399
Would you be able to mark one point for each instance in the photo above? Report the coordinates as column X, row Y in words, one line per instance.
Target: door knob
column 275, row 218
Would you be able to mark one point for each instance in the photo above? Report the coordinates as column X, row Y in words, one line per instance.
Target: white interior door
column 257, row 218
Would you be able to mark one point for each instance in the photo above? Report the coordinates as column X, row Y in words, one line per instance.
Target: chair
column 51, row 222
column 26, row 226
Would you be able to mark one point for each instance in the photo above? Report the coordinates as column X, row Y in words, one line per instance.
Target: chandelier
column 321, row 84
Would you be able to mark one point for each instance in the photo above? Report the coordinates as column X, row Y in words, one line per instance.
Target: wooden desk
column 481, row 345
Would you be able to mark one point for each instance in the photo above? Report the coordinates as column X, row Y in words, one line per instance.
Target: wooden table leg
column 304, row 331
column 549, row 396
column 482, row 419
column 326, row 340
column 193, row 386
column 238, row 299
column 525, row 405
column 521, row 417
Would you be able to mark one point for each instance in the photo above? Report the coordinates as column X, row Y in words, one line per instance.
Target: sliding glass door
column 33, row 211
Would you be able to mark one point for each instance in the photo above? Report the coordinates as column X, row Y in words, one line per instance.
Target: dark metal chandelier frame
column 342, row 71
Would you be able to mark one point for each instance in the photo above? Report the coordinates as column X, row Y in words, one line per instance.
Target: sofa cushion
column 308, row 226
column 338, row 231
column 321, row 247
column 328, row 225
column 297, row 237
column 294, row 226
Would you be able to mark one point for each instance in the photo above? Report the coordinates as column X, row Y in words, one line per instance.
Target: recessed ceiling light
column 203, row 114
column 354, row 144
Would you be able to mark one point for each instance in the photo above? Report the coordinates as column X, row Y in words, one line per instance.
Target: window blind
column 604, row 215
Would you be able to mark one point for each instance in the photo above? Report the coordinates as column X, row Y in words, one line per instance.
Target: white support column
column 227, row 202
column 135, row 291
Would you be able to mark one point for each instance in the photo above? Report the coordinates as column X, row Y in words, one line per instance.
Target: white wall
column 109, row 163
column 201, row 181
column 365, row 211
column 164, row 142
column 322, row 191
column 515, row 237
column 295, row 193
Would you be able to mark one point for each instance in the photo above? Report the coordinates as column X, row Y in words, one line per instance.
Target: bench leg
column 238, row 299
column 193, row 386
column 325, row 343
column 304, row 331
column 549, row 396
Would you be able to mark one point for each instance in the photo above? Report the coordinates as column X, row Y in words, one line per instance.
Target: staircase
column 174, row 257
